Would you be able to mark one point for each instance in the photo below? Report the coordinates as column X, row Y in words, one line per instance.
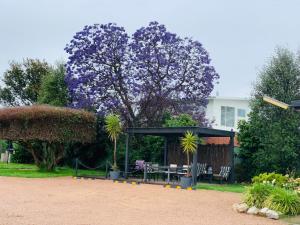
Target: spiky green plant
column 284, row 201
column 189, row 144
column 257, row 194
column 113, row 128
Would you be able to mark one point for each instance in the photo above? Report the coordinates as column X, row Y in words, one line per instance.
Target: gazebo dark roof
column 178, row 131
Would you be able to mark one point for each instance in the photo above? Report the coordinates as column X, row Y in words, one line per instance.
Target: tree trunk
column 115, row 153
column 188, row 164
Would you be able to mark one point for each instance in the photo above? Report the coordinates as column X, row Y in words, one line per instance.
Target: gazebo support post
column 165, row 151
column 231, row 158
column 126, row 156
column 194, row 167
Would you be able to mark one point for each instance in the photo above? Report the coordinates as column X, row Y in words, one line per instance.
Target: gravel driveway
column 67, row 201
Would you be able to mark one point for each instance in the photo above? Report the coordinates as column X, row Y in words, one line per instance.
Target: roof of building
column 229, row 98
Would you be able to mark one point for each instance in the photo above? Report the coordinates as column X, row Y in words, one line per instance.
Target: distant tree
column 270, row 139
column 53, row 90
column 182, row 120
column 22, row 82
column 140, row 77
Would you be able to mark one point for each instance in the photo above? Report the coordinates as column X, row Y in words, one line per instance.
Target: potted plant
column 113, row 128
column 189, row 145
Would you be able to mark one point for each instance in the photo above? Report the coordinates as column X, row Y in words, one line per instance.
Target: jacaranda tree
column 139, row 77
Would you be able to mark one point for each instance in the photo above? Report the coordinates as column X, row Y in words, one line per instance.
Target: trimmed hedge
column 47, row 123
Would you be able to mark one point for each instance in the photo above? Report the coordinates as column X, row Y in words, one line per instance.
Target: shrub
column 257, row 194
column 284, row 201
column 45, row 130
column 272, row 178
column 21, row 155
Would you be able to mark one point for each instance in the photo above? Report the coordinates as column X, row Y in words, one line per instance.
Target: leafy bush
column 257, row 194
column 21, row 155
column 284, row 201
column 182, row 120
column 272, row 178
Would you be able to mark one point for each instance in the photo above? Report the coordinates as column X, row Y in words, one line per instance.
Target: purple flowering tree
column 140, row 77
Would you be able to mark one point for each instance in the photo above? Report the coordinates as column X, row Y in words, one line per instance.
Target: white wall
column 213, row 110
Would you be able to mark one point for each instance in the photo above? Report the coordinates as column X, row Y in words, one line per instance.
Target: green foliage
column 53, row 90
column 271, row 178
column 113, row 128
column 189, row 144
column 21, row 154
column 284, row 201
column 182, row 120
column 257, row 194
column 269, row 141
column 22, row 82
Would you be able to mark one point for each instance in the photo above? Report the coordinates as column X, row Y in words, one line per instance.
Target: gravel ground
column 67, row 201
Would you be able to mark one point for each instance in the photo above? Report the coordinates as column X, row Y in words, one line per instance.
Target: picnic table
column 168, row 170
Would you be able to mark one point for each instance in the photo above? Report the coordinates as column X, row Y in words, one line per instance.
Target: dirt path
column 67, row 201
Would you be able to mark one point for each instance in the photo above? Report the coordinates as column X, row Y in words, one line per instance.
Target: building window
column 227, row 116
column 241, row 113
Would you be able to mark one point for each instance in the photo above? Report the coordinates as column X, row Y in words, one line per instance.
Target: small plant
column 113, row 128
column 189, row 144
column 257, row 194
column 284, row 201
column 271, row 178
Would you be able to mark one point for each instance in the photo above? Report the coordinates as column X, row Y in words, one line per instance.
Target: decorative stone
column 263, row 211
column 271, row 214
column 241, row 208
column 253, row 210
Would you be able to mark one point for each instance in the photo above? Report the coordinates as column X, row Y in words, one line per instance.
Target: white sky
column 239, row 35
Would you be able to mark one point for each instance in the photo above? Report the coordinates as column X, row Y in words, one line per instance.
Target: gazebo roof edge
column 176, row 131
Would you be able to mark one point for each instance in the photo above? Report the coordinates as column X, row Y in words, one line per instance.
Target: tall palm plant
column 113, row 128
column 189, row 145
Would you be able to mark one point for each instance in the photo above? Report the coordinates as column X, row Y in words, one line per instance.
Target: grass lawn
column 31, row 171
column 237, row 188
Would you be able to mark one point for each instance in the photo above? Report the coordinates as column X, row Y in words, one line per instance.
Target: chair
column 224, row 173
column 172, row 170
column 153, row 170
column 139, row 165
column 201, row 169
column 137, row 168
column 183, row 171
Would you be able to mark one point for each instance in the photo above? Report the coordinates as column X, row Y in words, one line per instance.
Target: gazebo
column 175, row 132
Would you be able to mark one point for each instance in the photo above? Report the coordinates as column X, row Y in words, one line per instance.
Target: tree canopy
column 53, row 90
column 22, row 82
column 270, row 139
column 139, row 77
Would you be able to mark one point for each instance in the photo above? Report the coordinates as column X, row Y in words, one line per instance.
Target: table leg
column 168, row 176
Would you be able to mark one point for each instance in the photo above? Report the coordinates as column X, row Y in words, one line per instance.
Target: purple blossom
column 140, row 77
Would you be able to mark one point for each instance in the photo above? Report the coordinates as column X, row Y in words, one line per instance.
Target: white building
column 225, row 112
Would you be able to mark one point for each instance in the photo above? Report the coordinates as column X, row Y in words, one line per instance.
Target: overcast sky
column 239, row 35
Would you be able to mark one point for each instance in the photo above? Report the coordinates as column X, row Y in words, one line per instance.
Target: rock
column 253, row 210
column 263, row 211
column 271, row 214
column 241, row 208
